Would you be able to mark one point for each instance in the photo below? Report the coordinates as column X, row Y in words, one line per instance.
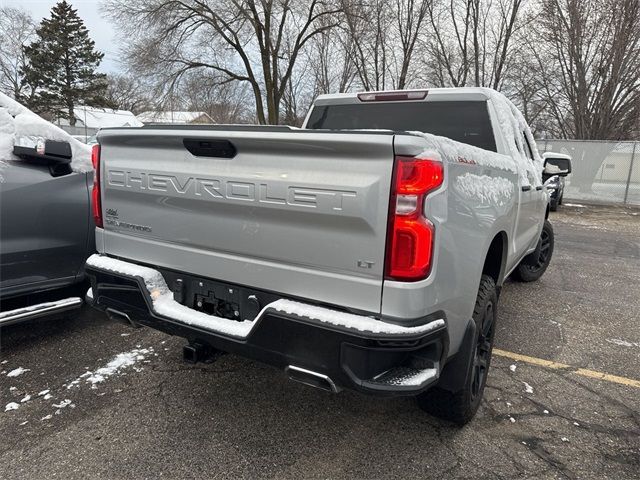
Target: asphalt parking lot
column 155, row 416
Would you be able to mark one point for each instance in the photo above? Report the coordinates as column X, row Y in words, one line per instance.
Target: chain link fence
column 602, row 171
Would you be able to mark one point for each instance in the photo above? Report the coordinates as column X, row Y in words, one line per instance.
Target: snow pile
column 513, row 125
column 463, row 153
column 165, row 305
column 62, row 404
column 11, row 406
column 17, row 371
column 622, row 343
column 485, row 189
column 20, row 126
column 120, row 362
column 115, row 366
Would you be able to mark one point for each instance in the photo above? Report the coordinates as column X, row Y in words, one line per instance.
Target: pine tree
column 62, row 64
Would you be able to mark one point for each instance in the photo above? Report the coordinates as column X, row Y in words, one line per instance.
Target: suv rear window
column 463, row 121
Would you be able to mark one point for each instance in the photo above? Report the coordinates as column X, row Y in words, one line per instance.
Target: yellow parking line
column 562, row 366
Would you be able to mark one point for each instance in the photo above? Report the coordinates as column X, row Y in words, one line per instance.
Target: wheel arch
column 496, row 258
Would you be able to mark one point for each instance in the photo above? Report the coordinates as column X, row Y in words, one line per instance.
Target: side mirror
column 54, row 154
column 56, row 150
column 557, row 164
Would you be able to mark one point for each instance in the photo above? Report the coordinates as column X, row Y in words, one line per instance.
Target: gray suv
column 46, row 232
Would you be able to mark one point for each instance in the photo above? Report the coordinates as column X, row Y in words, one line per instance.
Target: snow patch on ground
column 11, row 406
column 43, row 393
column 528, row 388
column 20, row 126
column 119, row 363
column 512, row 368
column 18, row 371
column 26, row 398
column 622, row 343
column 165, row 305
column 485, row 189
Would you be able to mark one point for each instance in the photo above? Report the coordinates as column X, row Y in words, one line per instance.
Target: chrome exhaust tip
column 121, row 317
column 311, row 378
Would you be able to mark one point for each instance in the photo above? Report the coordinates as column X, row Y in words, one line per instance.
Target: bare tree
column 381, row 36
column 331, row 62
column 410, row 16
column 367, row 27
column 224, row 102
column 17, row 29
column 472, row 41
column 253, row 41
column 594, row 48
column 127, row 92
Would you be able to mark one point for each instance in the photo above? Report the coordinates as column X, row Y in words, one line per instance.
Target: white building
column 173, row 117
column 96, row 118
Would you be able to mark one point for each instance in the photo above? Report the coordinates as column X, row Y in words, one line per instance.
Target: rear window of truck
column 463, row 121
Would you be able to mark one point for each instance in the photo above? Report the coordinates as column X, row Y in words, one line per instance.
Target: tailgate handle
column 202, row 147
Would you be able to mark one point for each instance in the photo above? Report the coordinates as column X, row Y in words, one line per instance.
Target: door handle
column 203, row 147
column 526, row 188
column 539, row 187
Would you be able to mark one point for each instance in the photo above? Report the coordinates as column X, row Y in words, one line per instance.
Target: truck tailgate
column 294, row 212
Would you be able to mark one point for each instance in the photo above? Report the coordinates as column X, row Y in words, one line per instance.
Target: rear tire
column 553, row 205
column 533, row 266
column 460, row 407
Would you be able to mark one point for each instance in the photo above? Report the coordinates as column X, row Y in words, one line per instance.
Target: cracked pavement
column 159, row 417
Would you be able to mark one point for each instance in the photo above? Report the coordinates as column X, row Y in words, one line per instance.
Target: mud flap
column 454, row 376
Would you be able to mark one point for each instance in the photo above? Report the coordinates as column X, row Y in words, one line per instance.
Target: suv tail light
column 410, row 234
column 96, row 204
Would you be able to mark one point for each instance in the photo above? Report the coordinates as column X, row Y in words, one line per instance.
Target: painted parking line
column 540, row 362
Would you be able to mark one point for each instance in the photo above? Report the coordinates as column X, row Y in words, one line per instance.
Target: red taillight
column 410, row 235
column 96, row 204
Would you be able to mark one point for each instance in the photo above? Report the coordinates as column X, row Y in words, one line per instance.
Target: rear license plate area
column 217, row 298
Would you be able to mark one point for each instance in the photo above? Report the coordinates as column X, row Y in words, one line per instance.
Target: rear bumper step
column 40, row 310
column 315, row 345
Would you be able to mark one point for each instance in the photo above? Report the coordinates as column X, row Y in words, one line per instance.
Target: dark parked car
column 46, row 232
column 556, row 167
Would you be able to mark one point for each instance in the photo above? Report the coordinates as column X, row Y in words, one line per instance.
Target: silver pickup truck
column 365, row 250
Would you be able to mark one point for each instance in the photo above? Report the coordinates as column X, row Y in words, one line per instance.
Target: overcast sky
column 100, row 30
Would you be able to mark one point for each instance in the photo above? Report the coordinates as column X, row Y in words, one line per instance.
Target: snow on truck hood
column 20, row 126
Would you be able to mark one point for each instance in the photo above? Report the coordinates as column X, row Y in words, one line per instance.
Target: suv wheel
column 535, row 264
column 459, row 407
